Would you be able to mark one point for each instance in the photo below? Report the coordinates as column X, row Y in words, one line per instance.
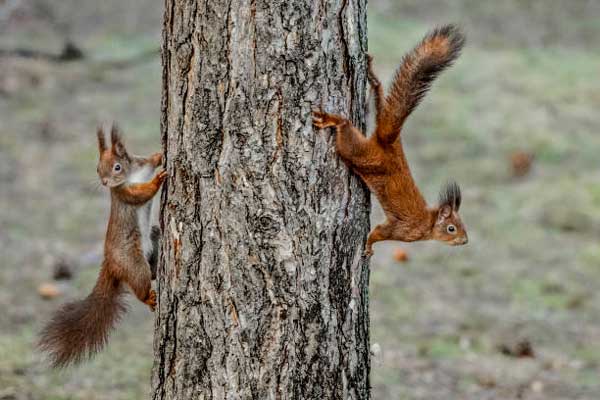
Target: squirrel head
column 114, row 163
column 448, row 226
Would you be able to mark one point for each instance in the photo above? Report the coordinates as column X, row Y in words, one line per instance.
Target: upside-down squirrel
column 379, row 159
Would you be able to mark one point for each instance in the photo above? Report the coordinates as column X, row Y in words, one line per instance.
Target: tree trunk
column 263, row 289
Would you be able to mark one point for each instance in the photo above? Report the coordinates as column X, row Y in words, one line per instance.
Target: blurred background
column 515, row 314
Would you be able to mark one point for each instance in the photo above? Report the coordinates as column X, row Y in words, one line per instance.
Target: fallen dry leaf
column 520, row 162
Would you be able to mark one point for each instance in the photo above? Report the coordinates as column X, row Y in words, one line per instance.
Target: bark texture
column 263, row 289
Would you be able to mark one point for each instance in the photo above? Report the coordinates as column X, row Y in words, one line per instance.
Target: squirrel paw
column 151, row 300
column 160, row 177
column 368, row 252
column 323, row 120
column 156, row 159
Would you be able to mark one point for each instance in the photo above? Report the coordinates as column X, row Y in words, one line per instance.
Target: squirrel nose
column 104, row 181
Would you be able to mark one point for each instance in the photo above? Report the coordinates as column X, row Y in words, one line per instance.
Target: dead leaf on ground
column 49, row 291
column 400, row 255
column 520, row 163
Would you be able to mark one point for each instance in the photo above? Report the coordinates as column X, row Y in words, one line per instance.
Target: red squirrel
column 379, row 159
column 79, row 329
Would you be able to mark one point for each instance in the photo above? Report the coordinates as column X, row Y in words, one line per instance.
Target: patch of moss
column 538, row 294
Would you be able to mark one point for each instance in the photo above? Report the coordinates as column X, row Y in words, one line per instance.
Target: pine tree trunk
column 263, row 289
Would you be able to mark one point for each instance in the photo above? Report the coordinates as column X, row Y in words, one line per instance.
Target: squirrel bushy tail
column 436, row 52
column 80, row 329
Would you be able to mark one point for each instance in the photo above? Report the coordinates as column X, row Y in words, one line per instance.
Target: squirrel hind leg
column 151, row 300
column 142, row 289
column 139, row 278
column 377, row 87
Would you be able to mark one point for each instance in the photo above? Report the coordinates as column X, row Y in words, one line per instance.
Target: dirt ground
column 513, row 315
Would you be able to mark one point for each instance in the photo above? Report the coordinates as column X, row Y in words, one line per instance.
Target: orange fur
column 80, row 329
column 380, row 161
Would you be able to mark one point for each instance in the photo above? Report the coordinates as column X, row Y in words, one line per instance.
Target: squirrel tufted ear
column 444, row 212
column 101, row 139
column 117, row 141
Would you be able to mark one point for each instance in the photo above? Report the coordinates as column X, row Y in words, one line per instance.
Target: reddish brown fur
column 80, row 329
column 379, row 160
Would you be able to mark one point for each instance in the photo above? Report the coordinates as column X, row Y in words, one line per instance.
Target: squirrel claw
column 161, row 176
column 368, row 252
column 317, row 118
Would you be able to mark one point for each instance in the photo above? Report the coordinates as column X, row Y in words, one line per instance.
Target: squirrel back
column 379, row 159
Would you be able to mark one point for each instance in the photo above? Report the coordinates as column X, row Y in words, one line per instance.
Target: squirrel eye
column 451, row 229
column 117, row 167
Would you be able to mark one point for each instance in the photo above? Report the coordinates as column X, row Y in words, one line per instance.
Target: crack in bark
column 349, row 71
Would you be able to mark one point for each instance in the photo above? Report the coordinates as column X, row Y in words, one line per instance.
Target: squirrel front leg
column 379, row 233
column 155, row 160
column 140, row 193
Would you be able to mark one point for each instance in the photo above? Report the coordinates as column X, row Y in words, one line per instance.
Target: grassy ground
column 440, row 321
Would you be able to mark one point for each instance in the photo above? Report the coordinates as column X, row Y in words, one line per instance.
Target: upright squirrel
column 379, row 160
column 79, row 329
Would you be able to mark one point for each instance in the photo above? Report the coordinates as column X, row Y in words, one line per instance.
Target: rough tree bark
column 263, row 289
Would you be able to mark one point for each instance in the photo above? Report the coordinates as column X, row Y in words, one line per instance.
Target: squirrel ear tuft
column 115, row 134
column 450, row 195
column 101, row 139
column 117, row 141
